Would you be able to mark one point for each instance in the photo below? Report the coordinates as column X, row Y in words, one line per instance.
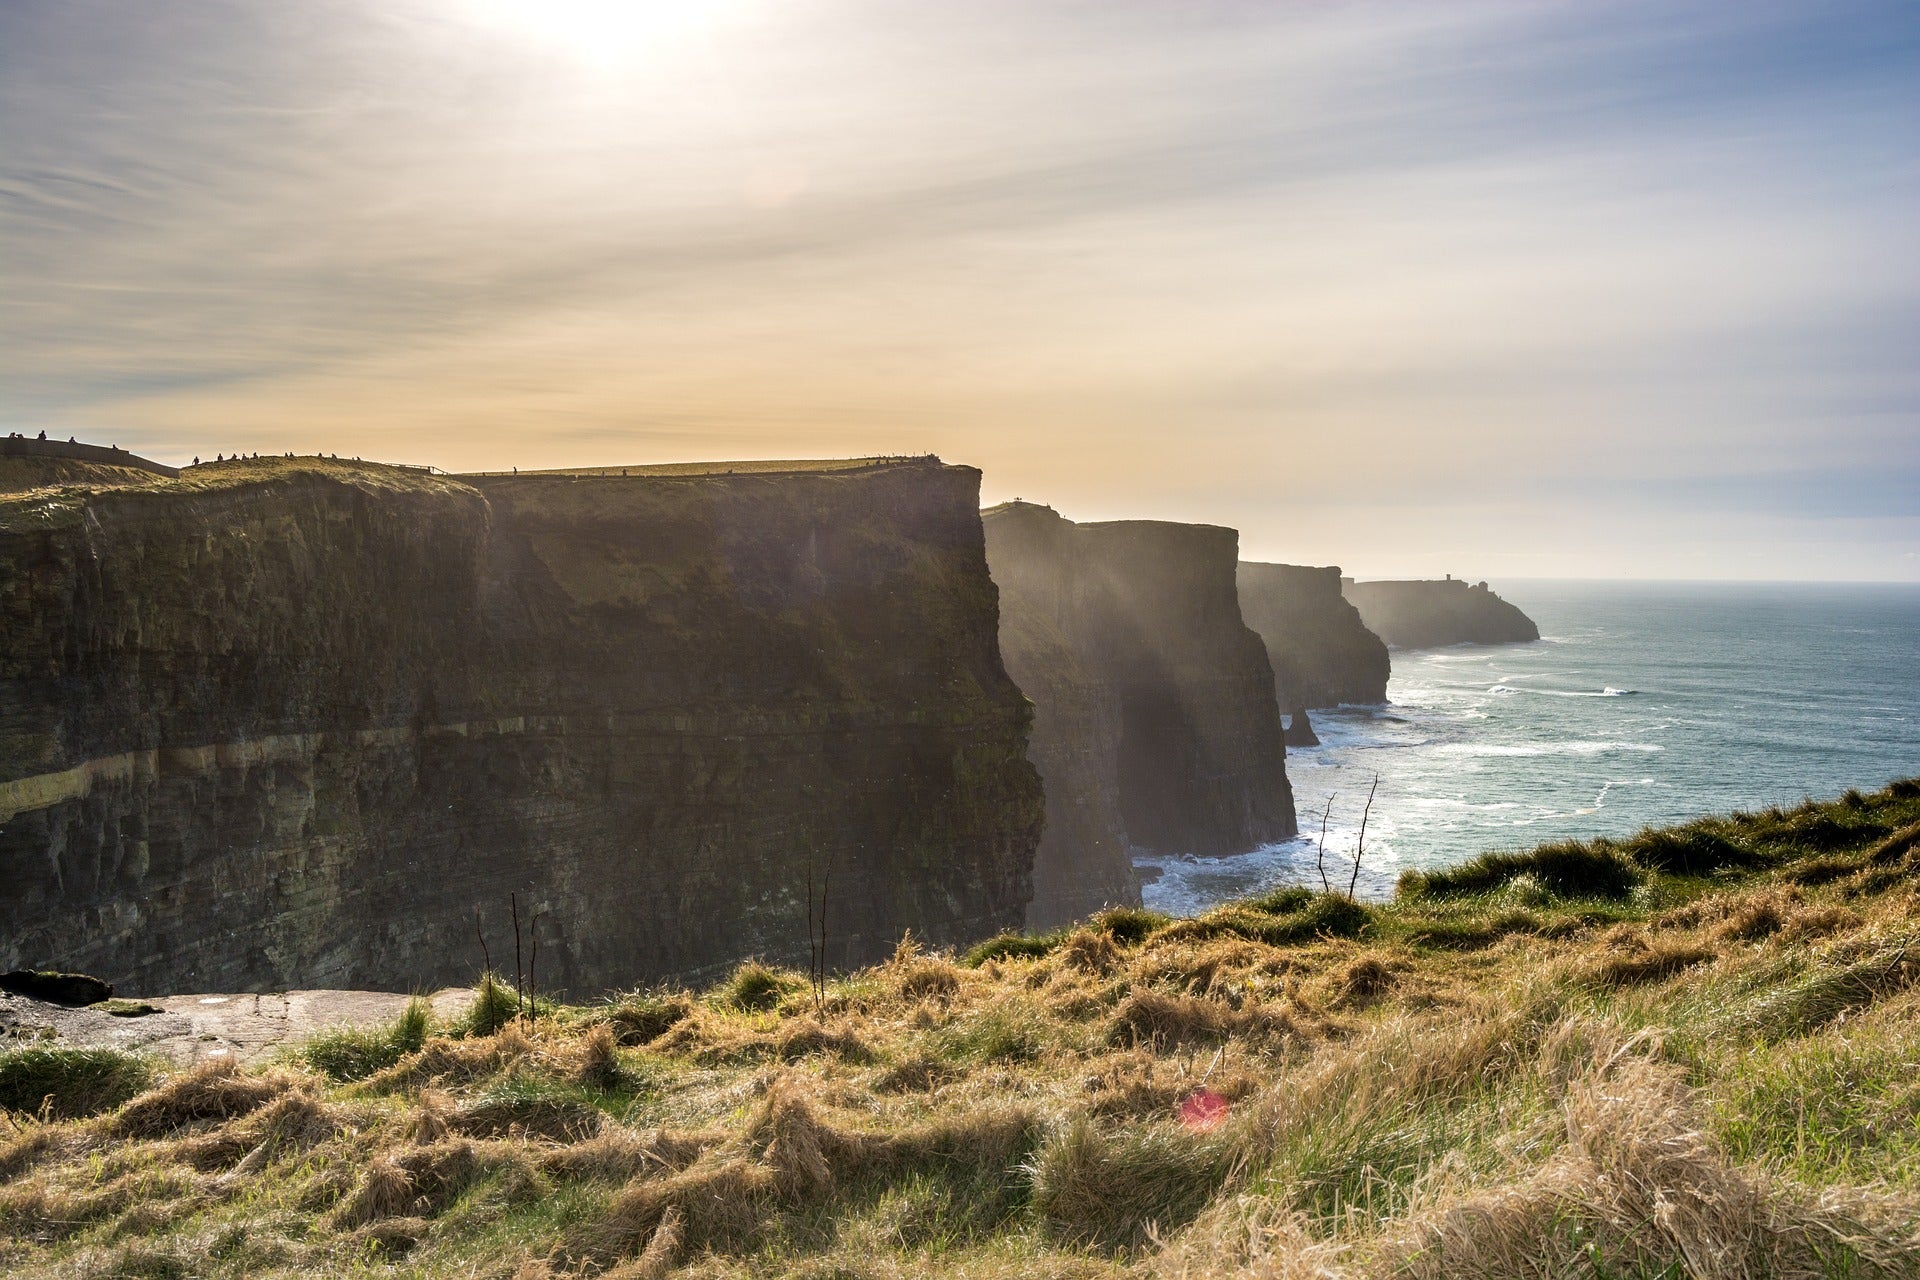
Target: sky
column 1503, row 290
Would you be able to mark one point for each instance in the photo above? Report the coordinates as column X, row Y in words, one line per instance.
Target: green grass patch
column 1129, row 926
column 756, row 988
column 529, row 1103
column 1565, row 869
column 1010, row 1031
column 495, row 1004
column 1828, row 1109
column 1013, row 946
column 1105, row 1188
column 1319, row 915
column 642, row 1016
column 66, row 1083
column 354, row 1053
column 1697, row 849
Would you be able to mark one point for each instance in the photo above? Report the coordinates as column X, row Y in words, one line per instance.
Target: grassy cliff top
column 39, row 494
column 59, row 501
column 1695, row 1052
column 19, row 474
column 757, row 466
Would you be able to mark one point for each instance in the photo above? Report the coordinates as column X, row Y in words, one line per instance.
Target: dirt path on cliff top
column 196, row 1028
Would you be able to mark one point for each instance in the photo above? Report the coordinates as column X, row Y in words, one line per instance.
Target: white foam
column 1188, row 885
column 1553, row 749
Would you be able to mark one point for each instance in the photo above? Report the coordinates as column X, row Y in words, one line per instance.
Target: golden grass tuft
column 1141, row 1086
column 720, row 1201
column 656, row 1260
column 417, row 1182
column 619, row 1154
column 1090, row 951
column 805, row 1037
column 1632, row 956
column 1639, row 1182
column 1155, row 1018
column 217, row 1090
column 1201, row 967
column 641, row 1018
column 385, row 1189
column 1115, row 1188
column 597, row 1063
column 446, row 1061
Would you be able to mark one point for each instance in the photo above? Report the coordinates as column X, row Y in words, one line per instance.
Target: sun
column 601, row 31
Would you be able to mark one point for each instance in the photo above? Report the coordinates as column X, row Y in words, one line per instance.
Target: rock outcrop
column 281, row 724
column 1299, row 731
column 1155, row 723
column 1424, row 614
column 1322, row 653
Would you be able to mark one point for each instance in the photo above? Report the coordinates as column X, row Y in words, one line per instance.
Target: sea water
column 1641, row 704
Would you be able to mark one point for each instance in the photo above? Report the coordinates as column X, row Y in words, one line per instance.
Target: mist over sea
column 1642, row 703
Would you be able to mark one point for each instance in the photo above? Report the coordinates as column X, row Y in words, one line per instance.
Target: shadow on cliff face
column 1156, row 725
column 1322, row 653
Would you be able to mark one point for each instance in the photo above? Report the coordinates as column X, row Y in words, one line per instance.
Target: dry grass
column 1511, row 1071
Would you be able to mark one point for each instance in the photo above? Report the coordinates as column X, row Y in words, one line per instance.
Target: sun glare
column 602, row 31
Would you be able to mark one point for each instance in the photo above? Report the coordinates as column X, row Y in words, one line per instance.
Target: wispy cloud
column 1217, row 261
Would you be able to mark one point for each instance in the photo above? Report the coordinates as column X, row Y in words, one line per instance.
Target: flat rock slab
column 199, row 1028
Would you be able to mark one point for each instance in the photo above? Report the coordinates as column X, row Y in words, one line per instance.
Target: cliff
column 283, row 724
column 1423, row 614
column 1155, row 724
column 1321, row 651
column 1081, row 864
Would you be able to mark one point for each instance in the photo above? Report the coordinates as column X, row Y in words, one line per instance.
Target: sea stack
column 1299, row 729
column 302, row 723
column 1322, row 653
column 1424, row 614
column 1155, row 722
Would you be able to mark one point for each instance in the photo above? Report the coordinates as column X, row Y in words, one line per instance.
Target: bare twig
column 519, row 992
column 533, row 991
column 1320, row 859
column 1360, row 849
column 486, row 957
column 813, row 933
column 820, row 981
column 817, row 935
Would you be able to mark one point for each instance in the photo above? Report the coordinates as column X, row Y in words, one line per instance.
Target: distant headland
column 1424, row 614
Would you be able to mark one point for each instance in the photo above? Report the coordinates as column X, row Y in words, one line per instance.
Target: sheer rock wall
column 1321, row 651
column 284, row 724
column 1155, row 725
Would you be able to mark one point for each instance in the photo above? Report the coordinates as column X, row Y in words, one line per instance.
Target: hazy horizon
column 1511, row 291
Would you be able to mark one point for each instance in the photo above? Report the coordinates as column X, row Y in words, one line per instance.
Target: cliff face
column 1321, row 651
column 1081, row 864
column 276, row 724
column 1424, row 614
column 1155, row 718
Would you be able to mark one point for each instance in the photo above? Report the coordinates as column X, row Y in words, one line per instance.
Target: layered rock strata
column 1322, row 653
column 1155, row 721
column 1424, row 614
column 282, row 724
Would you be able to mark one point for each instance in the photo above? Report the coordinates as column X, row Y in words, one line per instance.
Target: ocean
column 1641, row 704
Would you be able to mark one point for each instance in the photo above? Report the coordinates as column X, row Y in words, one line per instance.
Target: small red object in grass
column 1203, row 1110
